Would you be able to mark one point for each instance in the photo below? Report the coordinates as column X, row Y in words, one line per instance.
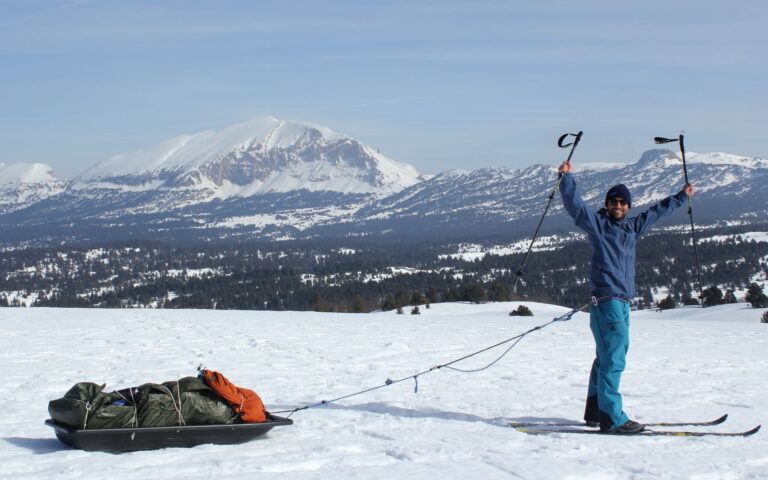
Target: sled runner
column 128, row 439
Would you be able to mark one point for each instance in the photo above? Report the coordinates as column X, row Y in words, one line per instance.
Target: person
column 612, row 237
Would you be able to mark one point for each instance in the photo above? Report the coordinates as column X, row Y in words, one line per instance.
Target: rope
column 135, row 419
column 490, row 364
column 173, row 400
column 88, row 408
column 516, row 339
column 132, row 402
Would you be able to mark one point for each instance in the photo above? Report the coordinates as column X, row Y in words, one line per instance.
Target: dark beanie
column 619, row 191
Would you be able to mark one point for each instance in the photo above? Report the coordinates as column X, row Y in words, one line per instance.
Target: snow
column 600, row 166
column 684, row 364
column 191, row 154
column 745, row 237
column 720, row 158
column 470, row 252
column 298, row 218
column 185, row 150
column 18, row 173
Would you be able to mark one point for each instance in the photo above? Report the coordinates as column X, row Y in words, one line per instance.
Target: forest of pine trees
column 360, row 277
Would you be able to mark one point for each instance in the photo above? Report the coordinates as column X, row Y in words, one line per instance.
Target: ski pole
column 561, row 144
column 679, row 140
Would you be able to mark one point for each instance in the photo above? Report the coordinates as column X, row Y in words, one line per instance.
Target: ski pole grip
column 574, row 142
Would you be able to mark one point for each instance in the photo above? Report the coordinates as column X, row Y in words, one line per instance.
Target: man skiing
column 613, row 237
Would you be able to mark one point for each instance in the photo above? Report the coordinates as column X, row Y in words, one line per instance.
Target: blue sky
column 440, row 85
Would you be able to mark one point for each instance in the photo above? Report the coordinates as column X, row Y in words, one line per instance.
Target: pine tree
column 389, row 303
column 712, row 296
column 501, row 292
column 417, row 298
column 473, row 292
column 756, row 297
column 729, row 297
column 401, row 298
column 432, row 295
column 357, row 304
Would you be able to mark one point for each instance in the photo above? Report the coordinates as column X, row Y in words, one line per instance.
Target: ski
column 716, row 421
column 644, row 433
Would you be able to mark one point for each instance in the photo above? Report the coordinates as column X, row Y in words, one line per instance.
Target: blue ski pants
column 609, row 322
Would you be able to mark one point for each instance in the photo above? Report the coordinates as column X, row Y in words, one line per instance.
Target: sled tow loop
column 514, row 340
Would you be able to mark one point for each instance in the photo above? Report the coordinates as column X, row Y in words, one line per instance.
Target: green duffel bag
column 200, row 404
column 157, row 406
column 86, row 406
column 188, row 401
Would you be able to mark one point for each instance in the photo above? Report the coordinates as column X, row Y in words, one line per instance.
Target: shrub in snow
column 690, row 301
column 667, row 303
column 521, row 311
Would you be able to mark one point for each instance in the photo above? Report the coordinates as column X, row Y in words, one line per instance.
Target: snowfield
column 684, row 364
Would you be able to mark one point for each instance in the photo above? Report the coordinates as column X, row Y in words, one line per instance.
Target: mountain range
column 269, row 179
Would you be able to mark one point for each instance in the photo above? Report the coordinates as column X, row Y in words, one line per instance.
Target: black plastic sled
column 118, row 440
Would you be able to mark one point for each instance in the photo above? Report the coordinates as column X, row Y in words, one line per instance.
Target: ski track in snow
column 684, row 364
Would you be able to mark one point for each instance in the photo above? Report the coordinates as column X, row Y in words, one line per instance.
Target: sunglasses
column 616, row 201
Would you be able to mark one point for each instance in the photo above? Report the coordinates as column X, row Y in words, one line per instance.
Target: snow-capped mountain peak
column 257, row 156
column 23, row 184
column 19, row 173
column 665, row 157
column 720, row 158
column 268, row 178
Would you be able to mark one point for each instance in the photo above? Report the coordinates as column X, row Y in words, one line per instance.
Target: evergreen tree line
column 360, row 278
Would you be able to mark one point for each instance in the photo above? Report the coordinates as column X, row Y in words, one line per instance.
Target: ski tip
column 720, row 420
column 753, row 431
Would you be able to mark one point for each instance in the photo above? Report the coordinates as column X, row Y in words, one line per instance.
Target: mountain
column 506, row 201
column 268, row 179
column 260, row 156
column 264, row 177
column 24, row 184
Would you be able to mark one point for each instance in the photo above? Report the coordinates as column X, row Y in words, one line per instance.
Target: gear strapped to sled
column 209, row 399
column 245, row 403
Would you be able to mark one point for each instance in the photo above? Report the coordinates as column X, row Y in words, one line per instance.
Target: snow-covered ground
column 684, row 364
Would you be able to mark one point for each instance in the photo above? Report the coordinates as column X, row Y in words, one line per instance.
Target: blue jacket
column 612, row 271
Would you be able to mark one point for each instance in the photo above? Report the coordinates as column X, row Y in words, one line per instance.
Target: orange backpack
column 244, row 402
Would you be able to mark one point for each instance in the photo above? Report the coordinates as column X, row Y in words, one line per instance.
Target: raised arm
column 574, row 205
column 645, row 220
